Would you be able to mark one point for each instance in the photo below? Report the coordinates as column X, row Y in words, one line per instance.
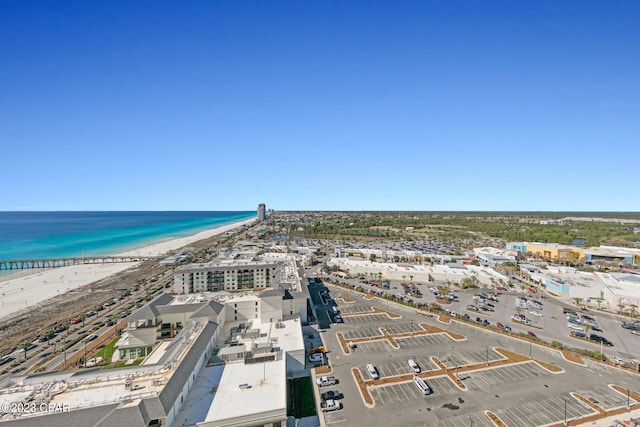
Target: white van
column 414, row 366
column 373, row 372
column 422, row 385
column 335, row 309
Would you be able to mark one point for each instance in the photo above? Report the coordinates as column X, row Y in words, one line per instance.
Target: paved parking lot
column 510, row 374
column 373, row 346
column 461, row 421
column 522, row 394
column 407, row 392
column 537, row 412
column 366, row 318
column 351, row 308
column 401, row 328
column 399, row 367
column 552, row 321
column 423, row 340
column 457, row 358
column 605, row 397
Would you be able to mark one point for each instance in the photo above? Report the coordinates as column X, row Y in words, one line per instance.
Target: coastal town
column 322, row 318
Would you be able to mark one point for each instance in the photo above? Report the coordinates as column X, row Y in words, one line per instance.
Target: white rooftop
column 247, row 390
column 263, row 391
column 617, row 284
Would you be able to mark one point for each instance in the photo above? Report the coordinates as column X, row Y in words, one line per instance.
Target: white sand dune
column 22, row 291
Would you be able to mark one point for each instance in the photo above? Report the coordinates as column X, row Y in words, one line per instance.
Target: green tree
column 372, row 257
column 633, row 308
column 578, row 300
column 24, row 345
column 48, row 333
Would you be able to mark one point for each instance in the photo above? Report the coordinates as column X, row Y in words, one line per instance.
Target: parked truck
column 330, row 405
column 325, row 381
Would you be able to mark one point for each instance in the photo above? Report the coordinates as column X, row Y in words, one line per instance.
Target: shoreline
column 163, row 247
column 21, row 291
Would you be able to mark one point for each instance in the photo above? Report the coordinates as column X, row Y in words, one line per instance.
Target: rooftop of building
column 222, row 392
column 455, row 270
column 85, row 391
column 621, row 284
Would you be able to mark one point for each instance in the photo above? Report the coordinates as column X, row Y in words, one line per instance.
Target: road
column 47, row 356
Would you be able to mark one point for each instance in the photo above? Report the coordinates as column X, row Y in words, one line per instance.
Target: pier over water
column 23, row 264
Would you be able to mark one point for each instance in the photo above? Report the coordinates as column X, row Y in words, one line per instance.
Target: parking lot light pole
column 601, row 353
column 628, row 400
column 487, row 356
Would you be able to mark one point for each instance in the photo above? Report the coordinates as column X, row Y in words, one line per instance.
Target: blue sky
column 320, row 105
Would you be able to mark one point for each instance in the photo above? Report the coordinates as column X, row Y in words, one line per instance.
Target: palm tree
column 586, row 327
column 634, row 309
column 411, row 278
column 24, row 345
column 48, row 333
column 578, row 300
column 620, row 308
column 445, row 290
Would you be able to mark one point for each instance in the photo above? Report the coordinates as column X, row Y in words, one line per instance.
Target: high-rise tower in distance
column 262, row 212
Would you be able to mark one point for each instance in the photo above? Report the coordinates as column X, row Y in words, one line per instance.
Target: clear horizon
column 332, row 106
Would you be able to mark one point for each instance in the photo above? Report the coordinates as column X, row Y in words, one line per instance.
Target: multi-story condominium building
column 226, row 275
column 262, row 212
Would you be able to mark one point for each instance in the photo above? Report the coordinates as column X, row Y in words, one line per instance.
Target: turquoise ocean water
column 37, row 235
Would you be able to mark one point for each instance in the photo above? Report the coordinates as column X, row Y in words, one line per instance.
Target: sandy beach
column 162, row 248
column 22, row 291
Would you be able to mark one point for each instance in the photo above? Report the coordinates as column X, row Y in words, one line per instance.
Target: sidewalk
column 609, row 421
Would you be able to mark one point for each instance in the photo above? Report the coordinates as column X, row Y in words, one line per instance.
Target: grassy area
column 300, row 399
column 106, row 352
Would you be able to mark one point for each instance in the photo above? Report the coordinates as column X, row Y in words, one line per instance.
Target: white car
column 414, row 366
column 576, row 327
column 618, row 360
column 535, row 313
column 315, row 357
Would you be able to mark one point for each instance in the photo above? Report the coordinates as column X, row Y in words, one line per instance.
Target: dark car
column 531, row 334
column 578, row 334
column 479, row 320
column 602, row 340
column 331, row 395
